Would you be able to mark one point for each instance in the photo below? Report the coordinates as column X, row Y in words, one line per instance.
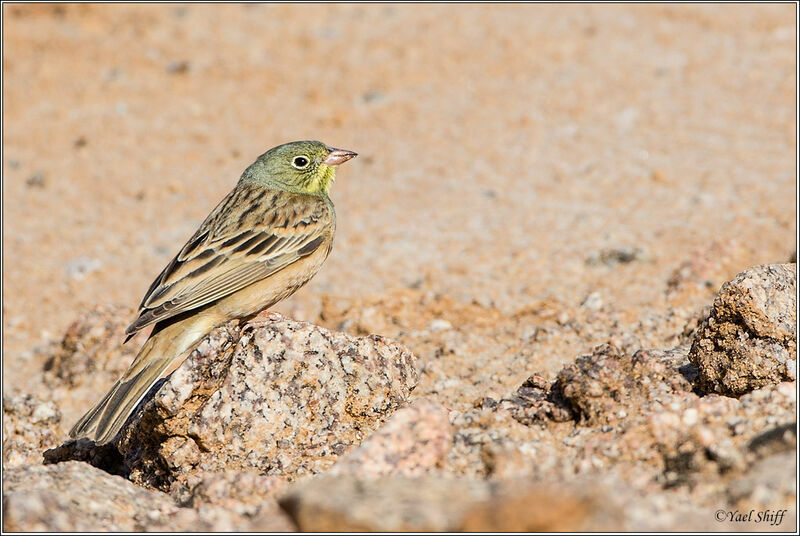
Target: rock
column 178, row 67
column 232, row 501
column 434, row 504
column 37, row 180
column 207, row 518
column 638, row 417
column 481, row 435
column 521, row 507
column 105, row 457
column 653, row 513
column 638, row 420
column 244, row 491
column 615, row 256
column 748, row 341
column 91, row 351
column 272, row 518
column 535, row 402
column 699, row 454
column 701, row 439
column 776, row 440
column 89, row 358
column 29, row 426
column 413, row 441
column 597, row 386
column 75, row 497
column 80, row 267
column 705, row 269
column 769, row 483
column 350, row 504
column 762, row 410
column 277, row 398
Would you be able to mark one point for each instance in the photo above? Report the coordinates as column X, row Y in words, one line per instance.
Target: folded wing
column 252, row 234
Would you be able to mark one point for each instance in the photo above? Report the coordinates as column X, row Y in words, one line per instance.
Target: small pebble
column 372, row 95
column 178, row 67
column 37, row 180
column 690, row 417
column 593, row 302
column 80, row 267
column 440, row 324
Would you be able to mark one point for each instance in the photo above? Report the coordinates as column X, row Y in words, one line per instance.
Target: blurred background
column 553, row 161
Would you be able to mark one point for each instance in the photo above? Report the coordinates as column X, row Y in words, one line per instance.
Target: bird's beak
column 338, row 156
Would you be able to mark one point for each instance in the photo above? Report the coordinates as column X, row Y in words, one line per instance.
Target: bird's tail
column 163, row 352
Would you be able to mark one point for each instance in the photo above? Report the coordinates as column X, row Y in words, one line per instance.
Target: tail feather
column 87, row 424
column 163, row 352
column 104, row 421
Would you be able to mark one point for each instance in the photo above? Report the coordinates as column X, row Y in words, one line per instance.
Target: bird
column 267, row 238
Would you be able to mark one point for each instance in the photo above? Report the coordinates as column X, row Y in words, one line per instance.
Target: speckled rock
column 749, row 340
column 485, row 291
column 775, row 440
column 701, row 438
column 275, row 397
column 534, row 401
column 91, row 350
column 88, row 358
column 341, row 503
column 518, row 506
column 413, row 441
column 30, row 425
column 206, row 518
column 76, row 497
column 232, row 501
column 768, row 483
column 242, row 490
column 598, row 385
column 636, row 416
column 434, row 504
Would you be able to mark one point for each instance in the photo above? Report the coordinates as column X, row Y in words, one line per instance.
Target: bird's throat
column 325, row 176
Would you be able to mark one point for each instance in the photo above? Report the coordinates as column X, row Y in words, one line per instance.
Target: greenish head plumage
column 306, row 167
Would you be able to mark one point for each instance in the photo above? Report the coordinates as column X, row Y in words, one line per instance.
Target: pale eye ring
column 300, row 162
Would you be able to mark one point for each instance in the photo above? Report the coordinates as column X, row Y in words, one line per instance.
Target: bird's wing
column 253, row 233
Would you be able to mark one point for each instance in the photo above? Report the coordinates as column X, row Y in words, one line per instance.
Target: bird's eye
column 300, row 162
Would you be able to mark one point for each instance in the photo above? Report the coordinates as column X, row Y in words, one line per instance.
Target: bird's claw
column 265, row 317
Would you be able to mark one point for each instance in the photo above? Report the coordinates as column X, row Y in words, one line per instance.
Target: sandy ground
column 509, row 155
column 533, row 181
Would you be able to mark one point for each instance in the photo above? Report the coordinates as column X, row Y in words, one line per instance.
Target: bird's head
column 307, row 167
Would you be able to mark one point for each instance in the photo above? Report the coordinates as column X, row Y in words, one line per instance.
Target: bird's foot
column 265, row 317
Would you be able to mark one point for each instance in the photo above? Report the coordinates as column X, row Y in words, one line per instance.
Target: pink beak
column 338, row 156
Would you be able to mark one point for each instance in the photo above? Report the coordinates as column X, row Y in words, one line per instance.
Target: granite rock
column 91, row 349
column 232, row 501
column 29, row 426
column 438, row 504
column 76, row 497
column 768, row 483
column 748, row 340
column 412, row 441
column 242, row 490
column 273, row 397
